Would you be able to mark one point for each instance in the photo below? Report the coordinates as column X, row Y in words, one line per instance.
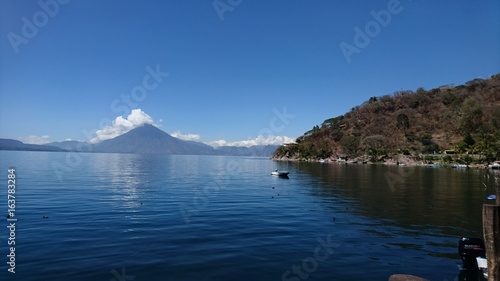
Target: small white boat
column 495, row 165
column 459, row 166
column 280, row 173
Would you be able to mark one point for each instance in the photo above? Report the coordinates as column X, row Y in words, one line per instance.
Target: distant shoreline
column 394, row 160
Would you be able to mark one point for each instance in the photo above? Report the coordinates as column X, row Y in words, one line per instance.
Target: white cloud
column 138, row 118
column 121, row 125
column 36, row 139
column 189, row 137
column 217, row 143
column 260, row 140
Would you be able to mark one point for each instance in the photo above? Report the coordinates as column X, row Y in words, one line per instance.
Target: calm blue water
column 165, row 217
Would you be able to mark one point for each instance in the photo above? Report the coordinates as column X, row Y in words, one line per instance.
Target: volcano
column 148, row 139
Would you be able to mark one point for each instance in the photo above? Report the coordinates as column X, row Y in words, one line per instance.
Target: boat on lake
column 495, row 165
column 280, row 173
column 460, row 166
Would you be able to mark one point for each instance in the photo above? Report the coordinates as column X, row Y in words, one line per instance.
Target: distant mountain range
column 9, row 144
column 146, row 139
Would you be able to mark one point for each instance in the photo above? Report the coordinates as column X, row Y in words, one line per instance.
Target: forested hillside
column 465, row 119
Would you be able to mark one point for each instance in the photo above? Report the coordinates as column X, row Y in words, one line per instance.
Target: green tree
column 461, row 147
column 350, row 144
column 449, row 98
column 465, row 145
column 467, row 159
column 428, row 145
column 471, row 117
column 489, row 146
column 496, row 117
column 403, row 122
column 469, row 140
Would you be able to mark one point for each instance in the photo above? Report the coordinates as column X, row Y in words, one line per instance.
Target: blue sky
column 227, row 70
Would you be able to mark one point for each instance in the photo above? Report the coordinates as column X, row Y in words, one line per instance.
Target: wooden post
column 491, row 232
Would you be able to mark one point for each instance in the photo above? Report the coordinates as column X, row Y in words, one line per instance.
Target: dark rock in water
column 405, row 277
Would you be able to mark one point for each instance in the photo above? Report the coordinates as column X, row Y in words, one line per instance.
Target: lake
column 176, row 217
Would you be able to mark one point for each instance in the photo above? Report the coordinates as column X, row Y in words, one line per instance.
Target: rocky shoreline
column 396, row 160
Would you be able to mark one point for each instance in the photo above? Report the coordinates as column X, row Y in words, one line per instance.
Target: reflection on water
column 413, row 208
column 448, row 200
column 125, row 173
column 122, row 210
